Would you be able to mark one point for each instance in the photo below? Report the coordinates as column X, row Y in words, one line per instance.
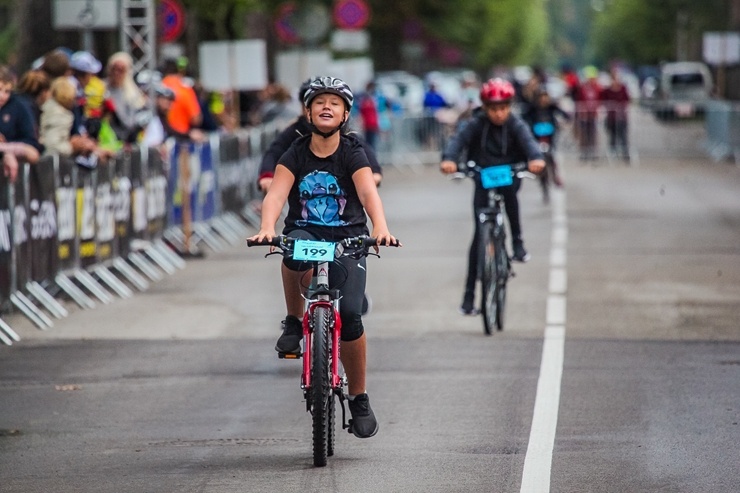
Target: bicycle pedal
column 289, row 355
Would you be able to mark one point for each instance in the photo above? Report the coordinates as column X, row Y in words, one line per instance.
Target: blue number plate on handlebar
column 543, row 129
column 313, row 251
column 496, row 176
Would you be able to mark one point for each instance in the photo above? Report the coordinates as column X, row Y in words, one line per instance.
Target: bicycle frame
column 319, row 395
column 319, row 294
column 494, row 262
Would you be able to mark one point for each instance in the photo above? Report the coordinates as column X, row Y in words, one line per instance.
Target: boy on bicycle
column 493, row 136
column 326, row 179
column 545, row 110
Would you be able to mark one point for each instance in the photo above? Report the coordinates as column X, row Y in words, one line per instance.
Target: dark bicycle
column 321, row 379
column 544, row 132
column 494, row 263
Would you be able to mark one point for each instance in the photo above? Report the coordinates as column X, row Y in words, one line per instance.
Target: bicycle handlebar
column 286, row 243
column 471, row 169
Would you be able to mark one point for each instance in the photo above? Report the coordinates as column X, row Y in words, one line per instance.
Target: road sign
column 86, row 14
column 351, row 14
column 171, row 17
column 285, row 23
column 722, row 48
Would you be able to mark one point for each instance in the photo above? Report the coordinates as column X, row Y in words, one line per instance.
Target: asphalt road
column 633, row 293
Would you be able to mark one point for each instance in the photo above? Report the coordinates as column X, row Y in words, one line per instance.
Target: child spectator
column 57, row 117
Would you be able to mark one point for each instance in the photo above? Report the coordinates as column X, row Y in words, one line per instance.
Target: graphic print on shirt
column 322, row 199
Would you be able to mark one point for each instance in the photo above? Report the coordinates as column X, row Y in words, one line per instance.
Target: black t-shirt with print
column 323, row 199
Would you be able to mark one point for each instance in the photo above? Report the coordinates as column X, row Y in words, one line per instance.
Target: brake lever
column 526, row 174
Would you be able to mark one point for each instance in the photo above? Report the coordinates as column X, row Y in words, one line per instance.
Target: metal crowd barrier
column 723, row 130
column 68, row 232
column 414, row 141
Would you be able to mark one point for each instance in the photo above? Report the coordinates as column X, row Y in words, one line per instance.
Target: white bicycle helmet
column 331, row 85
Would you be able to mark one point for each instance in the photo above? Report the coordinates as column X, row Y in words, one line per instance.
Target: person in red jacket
column 616, row 100
column 370, row 116
column 587, row 98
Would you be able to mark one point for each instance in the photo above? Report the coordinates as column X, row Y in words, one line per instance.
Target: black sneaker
column 290, row 340
column 363, row 423
column 467, row 308
column 468, row 304
column 520, row 254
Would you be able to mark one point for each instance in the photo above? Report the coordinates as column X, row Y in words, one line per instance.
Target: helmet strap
column 328, row 134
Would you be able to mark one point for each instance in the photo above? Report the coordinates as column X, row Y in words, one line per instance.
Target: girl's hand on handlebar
column 384, row 238
column 263, row 235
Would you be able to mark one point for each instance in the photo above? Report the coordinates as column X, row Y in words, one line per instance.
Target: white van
column 684, row 88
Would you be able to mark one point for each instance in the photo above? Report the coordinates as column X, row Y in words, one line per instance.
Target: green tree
column 643, row 32
column 491, row 32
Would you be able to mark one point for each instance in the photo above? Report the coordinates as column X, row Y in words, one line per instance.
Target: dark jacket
column 16, row 123
column 301, row 127
column 488, row 144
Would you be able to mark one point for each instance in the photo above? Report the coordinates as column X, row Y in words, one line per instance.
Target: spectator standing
column 33, row 90
column 17, row 134
column 369, row 115
column 90, row 88
column 209, row 122
column 128, row 100
column 431, row 129
column 587, row 99
column 56, row 63
column 570, row 77
column 158, row 130
column 184, row 116
column 433, row 100
column 57, row 118
column 616, row 99
column 275, row 104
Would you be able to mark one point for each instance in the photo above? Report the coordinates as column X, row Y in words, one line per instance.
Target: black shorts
column 347, row 274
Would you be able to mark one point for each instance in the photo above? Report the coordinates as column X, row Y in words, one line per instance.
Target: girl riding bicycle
column 326, row 179
column 493, row 136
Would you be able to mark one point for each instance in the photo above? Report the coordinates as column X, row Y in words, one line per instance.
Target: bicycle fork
column 319, row 295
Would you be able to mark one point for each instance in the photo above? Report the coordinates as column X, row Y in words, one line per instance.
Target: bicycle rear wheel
column 489, row 286
column 321, row 394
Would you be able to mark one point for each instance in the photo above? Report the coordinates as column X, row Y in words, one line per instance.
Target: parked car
column 682, row 90
column 402, row 88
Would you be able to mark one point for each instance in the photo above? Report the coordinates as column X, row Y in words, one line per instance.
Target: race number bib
column 496, row 176
column 313, row 251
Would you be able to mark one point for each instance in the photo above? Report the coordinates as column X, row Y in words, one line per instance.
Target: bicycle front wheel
column 502, row 276
column 489, row 294
column 321, row 395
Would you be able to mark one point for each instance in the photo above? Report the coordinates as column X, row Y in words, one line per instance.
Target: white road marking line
column 558, row 280
column 538, row 460
column 556, row 309
column 557, row 257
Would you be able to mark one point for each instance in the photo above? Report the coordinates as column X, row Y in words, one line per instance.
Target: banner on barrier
column 43, row 221
column 86, row 216
column 66, row 201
